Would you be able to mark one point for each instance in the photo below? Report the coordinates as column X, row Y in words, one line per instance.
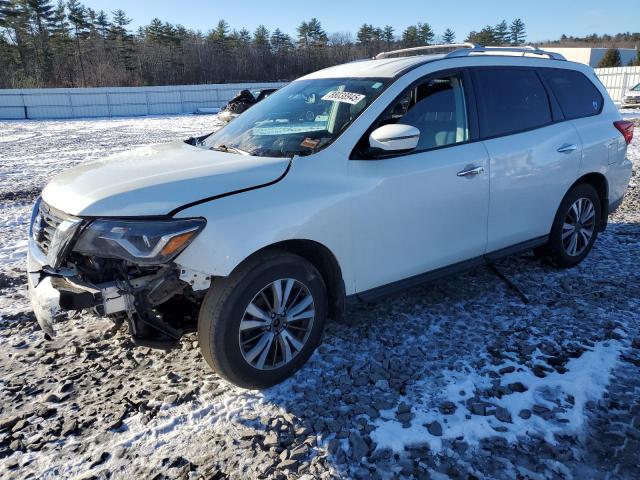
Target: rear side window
column 578, row 97
column 510, row 101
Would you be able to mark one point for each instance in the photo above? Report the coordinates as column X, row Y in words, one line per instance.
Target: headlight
column 145, row 242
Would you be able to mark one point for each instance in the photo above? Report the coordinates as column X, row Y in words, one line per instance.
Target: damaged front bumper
column 52, row 290
column 55, row 290
column 119, row 268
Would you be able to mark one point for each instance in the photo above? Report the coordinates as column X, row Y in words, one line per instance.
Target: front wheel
column 575, row 227
column 260, row 324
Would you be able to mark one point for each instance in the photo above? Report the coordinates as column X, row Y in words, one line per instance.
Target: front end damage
column 121, row 269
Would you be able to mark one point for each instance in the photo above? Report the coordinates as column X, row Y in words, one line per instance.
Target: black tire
column 557, row 252
column 224, row 307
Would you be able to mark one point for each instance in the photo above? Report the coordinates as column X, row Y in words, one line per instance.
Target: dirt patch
column 20, row 195
column 7, row 281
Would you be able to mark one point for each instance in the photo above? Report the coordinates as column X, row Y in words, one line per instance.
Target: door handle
column 470, row 172
column 566, row 148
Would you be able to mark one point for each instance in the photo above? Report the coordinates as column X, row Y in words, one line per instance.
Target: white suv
column 347, row 184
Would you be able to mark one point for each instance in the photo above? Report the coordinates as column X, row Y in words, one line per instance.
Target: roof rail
column 464, row 46
column 525, row 50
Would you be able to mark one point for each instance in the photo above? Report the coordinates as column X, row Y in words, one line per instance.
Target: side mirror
column 395, row 138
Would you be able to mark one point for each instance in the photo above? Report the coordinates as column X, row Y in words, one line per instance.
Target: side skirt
column 427, row 277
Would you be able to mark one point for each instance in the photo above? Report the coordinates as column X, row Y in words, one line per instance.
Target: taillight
column 626, row 129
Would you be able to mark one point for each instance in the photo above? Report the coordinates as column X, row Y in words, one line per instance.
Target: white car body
column 387, row 223
column 374, row 246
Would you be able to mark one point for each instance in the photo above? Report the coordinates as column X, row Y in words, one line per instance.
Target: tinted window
column 511, row 101
column 578, row 97
column 437, row 108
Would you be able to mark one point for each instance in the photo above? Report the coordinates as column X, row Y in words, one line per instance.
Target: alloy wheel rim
column 578, row 227
column 276, row 324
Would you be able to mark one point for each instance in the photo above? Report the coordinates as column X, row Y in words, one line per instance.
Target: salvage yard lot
column 456, row 378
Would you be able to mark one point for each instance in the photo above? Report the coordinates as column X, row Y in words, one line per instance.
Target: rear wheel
column 259, row 325
column 575, row 227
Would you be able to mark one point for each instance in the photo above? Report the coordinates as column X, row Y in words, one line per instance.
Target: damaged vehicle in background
column 347, row 184
column 241, row 102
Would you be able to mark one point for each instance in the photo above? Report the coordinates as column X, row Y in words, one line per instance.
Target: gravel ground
column 459, row 379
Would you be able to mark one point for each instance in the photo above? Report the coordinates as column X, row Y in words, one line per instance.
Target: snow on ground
column 453, row 379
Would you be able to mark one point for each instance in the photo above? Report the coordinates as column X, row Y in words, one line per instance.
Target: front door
column 426, row 209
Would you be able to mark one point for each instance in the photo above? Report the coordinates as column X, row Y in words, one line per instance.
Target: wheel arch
column 599, row 182
column 327, row 264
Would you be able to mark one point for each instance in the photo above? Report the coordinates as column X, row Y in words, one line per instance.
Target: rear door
column 534, row 156
column 582, row 103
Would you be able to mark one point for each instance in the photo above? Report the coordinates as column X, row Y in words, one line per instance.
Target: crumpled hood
column 156, row 180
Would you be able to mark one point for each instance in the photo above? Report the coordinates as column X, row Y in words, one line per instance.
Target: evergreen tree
column 102, row 24
column 388, row 35
column 410, row 37
column 518, row 32
column 243, row 36
column 303, row 34
column 78, row 19
column 280, row 42
column 311, row 33
column 41, row 13
column 122, row 39
column 484, row 37
column 316, row 32
column 449, row 36
column 154, row 30
column 611, row 58
column 221, row 31
column 365, row 34
column 261, row 37
column 425, row 34
column 502, row 33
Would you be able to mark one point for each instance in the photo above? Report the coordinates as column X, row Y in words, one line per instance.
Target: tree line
column 67, row 44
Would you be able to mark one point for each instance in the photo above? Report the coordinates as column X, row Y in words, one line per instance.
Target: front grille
column 45, row 225
column 631, row 99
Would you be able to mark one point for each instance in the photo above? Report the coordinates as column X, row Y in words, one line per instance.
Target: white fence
column 39, row 103
column 130, row 101
column 618, row 80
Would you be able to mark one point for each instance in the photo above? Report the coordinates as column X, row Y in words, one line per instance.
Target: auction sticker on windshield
column 345, row 97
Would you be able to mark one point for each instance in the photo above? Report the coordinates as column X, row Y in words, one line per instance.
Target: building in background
column 592, row 56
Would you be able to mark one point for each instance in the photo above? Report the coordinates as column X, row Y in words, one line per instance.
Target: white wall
column 43, row 103
column 580, row 55
column 592, row 56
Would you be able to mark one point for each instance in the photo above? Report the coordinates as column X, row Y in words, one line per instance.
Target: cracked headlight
column 144, row 242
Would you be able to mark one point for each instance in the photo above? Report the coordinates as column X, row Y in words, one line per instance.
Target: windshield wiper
column 228, row 149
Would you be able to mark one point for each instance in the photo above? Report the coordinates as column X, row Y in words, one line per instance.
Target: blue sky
column 544, row 19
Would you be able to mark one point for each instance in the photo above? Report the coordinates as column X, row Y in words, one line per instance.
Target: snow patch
column 585, row 379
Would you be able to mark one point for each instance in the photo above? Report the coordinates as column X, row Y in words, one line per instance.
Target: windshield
column 636, row 88
column 299, row 119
